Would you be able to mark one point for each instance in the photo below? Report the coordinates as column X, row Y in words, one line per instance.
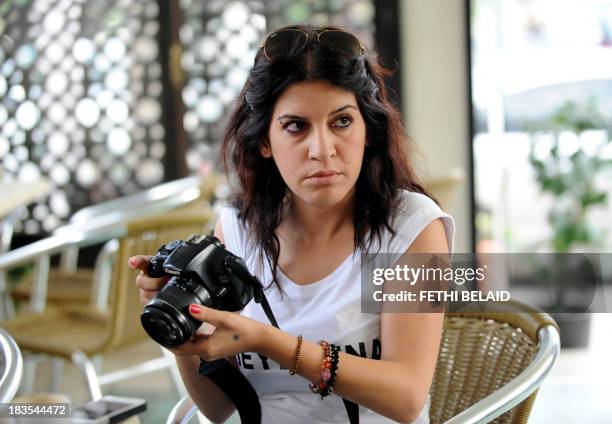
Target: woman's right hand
column 149, row 287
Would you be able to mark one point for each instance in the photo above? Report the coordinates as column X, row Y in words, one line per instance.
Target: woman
column 323, row 177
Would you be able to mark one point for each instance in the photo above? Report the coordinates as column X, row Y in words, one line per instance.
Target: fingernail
column 195, row 309
column 133, row 261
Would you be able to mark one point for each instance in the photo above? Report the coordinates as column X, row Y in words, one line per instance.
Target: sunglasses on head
column 279, row 43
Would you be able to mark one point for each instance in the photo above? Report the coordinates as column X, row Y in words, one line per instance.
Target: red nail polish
column 133, row 261
column 195, row 309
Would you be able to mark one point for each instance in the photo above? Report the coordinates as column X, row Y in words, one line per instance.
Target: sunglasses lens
column 340, row 41
column 284, row 43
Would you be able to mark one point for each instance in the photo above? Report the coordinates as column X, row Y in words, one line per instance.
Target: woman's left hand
column 233, row 334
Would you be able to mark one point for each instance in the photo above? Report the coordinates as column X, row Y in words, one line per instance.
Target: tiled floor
column 157, row 387
column 578, row 390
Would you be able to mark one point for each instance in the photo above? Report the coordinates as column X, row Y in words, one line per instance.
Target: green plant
column 571, row 179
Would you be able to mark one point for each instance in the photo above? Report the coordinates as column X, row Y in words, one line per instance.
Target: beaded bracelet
column 329, row 387
column 325, row 369
column 296, row 362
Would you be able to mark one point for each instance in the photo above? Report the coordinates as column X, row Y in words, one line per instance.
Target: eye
column 295, row 126
column 343, row 121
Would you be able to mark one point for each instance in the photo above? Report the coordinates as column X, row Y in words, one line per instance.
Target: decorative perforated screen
column 81, row 89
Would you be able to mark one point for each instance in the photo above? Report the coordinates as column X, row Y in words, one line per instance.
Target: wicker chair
column 67, row 284
column 79, row 332
column 491, row 364
column 489, row 368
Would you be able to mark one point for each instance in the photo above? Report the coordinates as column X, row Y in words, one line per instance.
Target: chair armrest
column 57, row 243
column 156, row 199
column 183, row 411
column 13, row 367
column 40, row 252
column 519, row 388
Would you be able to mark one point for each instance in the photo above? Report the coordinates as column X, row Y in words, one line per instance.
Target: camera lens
column 167, row 329
column 166, row 318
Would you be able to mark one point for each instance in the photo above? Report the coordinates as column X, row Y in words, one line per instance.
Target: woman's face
column 317, row 139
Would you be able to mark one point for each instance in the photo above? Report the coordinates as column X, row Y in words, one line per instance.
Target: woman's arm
column 207, row 396
column 395, row 386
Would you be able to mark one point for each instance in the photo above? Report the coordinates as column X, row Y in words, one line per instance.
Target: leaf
column 591, row 198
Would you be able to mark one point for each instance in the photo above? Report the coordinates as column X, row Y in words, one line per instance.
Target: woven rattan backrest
column 479, row 353
column 144, row 236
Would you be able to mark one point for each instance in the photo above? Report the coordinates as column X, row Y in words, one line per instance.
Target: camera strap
column 352, row 409
column 263, row 301
column 231, row 381
column 238, row 389
column 237, row 265
column 235, row 385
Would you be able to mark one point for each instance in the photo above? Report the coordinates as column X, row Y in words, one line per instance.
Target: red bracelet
column 325, row 369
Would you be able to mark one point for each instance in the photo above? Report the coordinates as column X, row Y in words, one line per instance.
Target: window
column 541, row 76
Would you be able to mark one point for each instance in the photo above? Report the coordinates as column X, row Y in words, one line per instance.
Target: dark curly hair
column 385, row 170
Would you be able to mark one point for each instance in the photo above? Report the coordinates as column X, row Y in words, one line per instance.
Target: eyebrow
column 288, row 115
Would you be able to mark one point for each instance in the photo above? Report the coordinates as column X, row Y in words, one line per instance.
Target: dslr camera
column 203, row 272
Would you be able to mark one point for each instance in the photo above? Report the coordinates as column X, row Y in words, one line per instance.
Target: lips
column 321, row 174
column 323, row 178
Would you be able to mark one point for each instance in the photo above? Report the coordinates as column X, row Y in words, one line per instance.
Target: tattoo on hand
column 236, row 337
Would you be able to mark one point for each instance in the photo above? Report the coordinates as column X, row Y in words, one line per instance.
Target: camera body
column 203, row 272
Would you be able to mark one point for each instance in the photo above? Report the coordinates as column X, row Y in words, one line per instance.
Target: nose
column 322, row 146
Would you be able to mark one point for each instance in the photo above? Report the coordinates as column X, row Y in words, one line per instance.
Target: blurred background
column 509, row 103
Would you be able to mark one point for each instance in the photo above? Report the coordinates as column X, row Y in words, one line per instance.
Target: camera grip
column 155, row 269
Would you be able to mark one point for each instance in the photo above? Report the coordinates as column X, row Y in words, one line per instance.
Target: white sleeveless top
column 328, row 309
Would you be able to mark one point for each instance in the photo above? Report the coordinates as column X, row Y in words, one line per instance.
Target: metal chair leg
column 89, row 372
column 57, row 369
column 183, row 412
column 7, row 309
column 97, row 362
column 29, row 374
column 7, row 224
column 175, row 374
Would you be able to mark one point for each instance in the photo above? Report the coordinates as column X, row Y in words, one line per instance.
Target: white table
column 17, row 194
